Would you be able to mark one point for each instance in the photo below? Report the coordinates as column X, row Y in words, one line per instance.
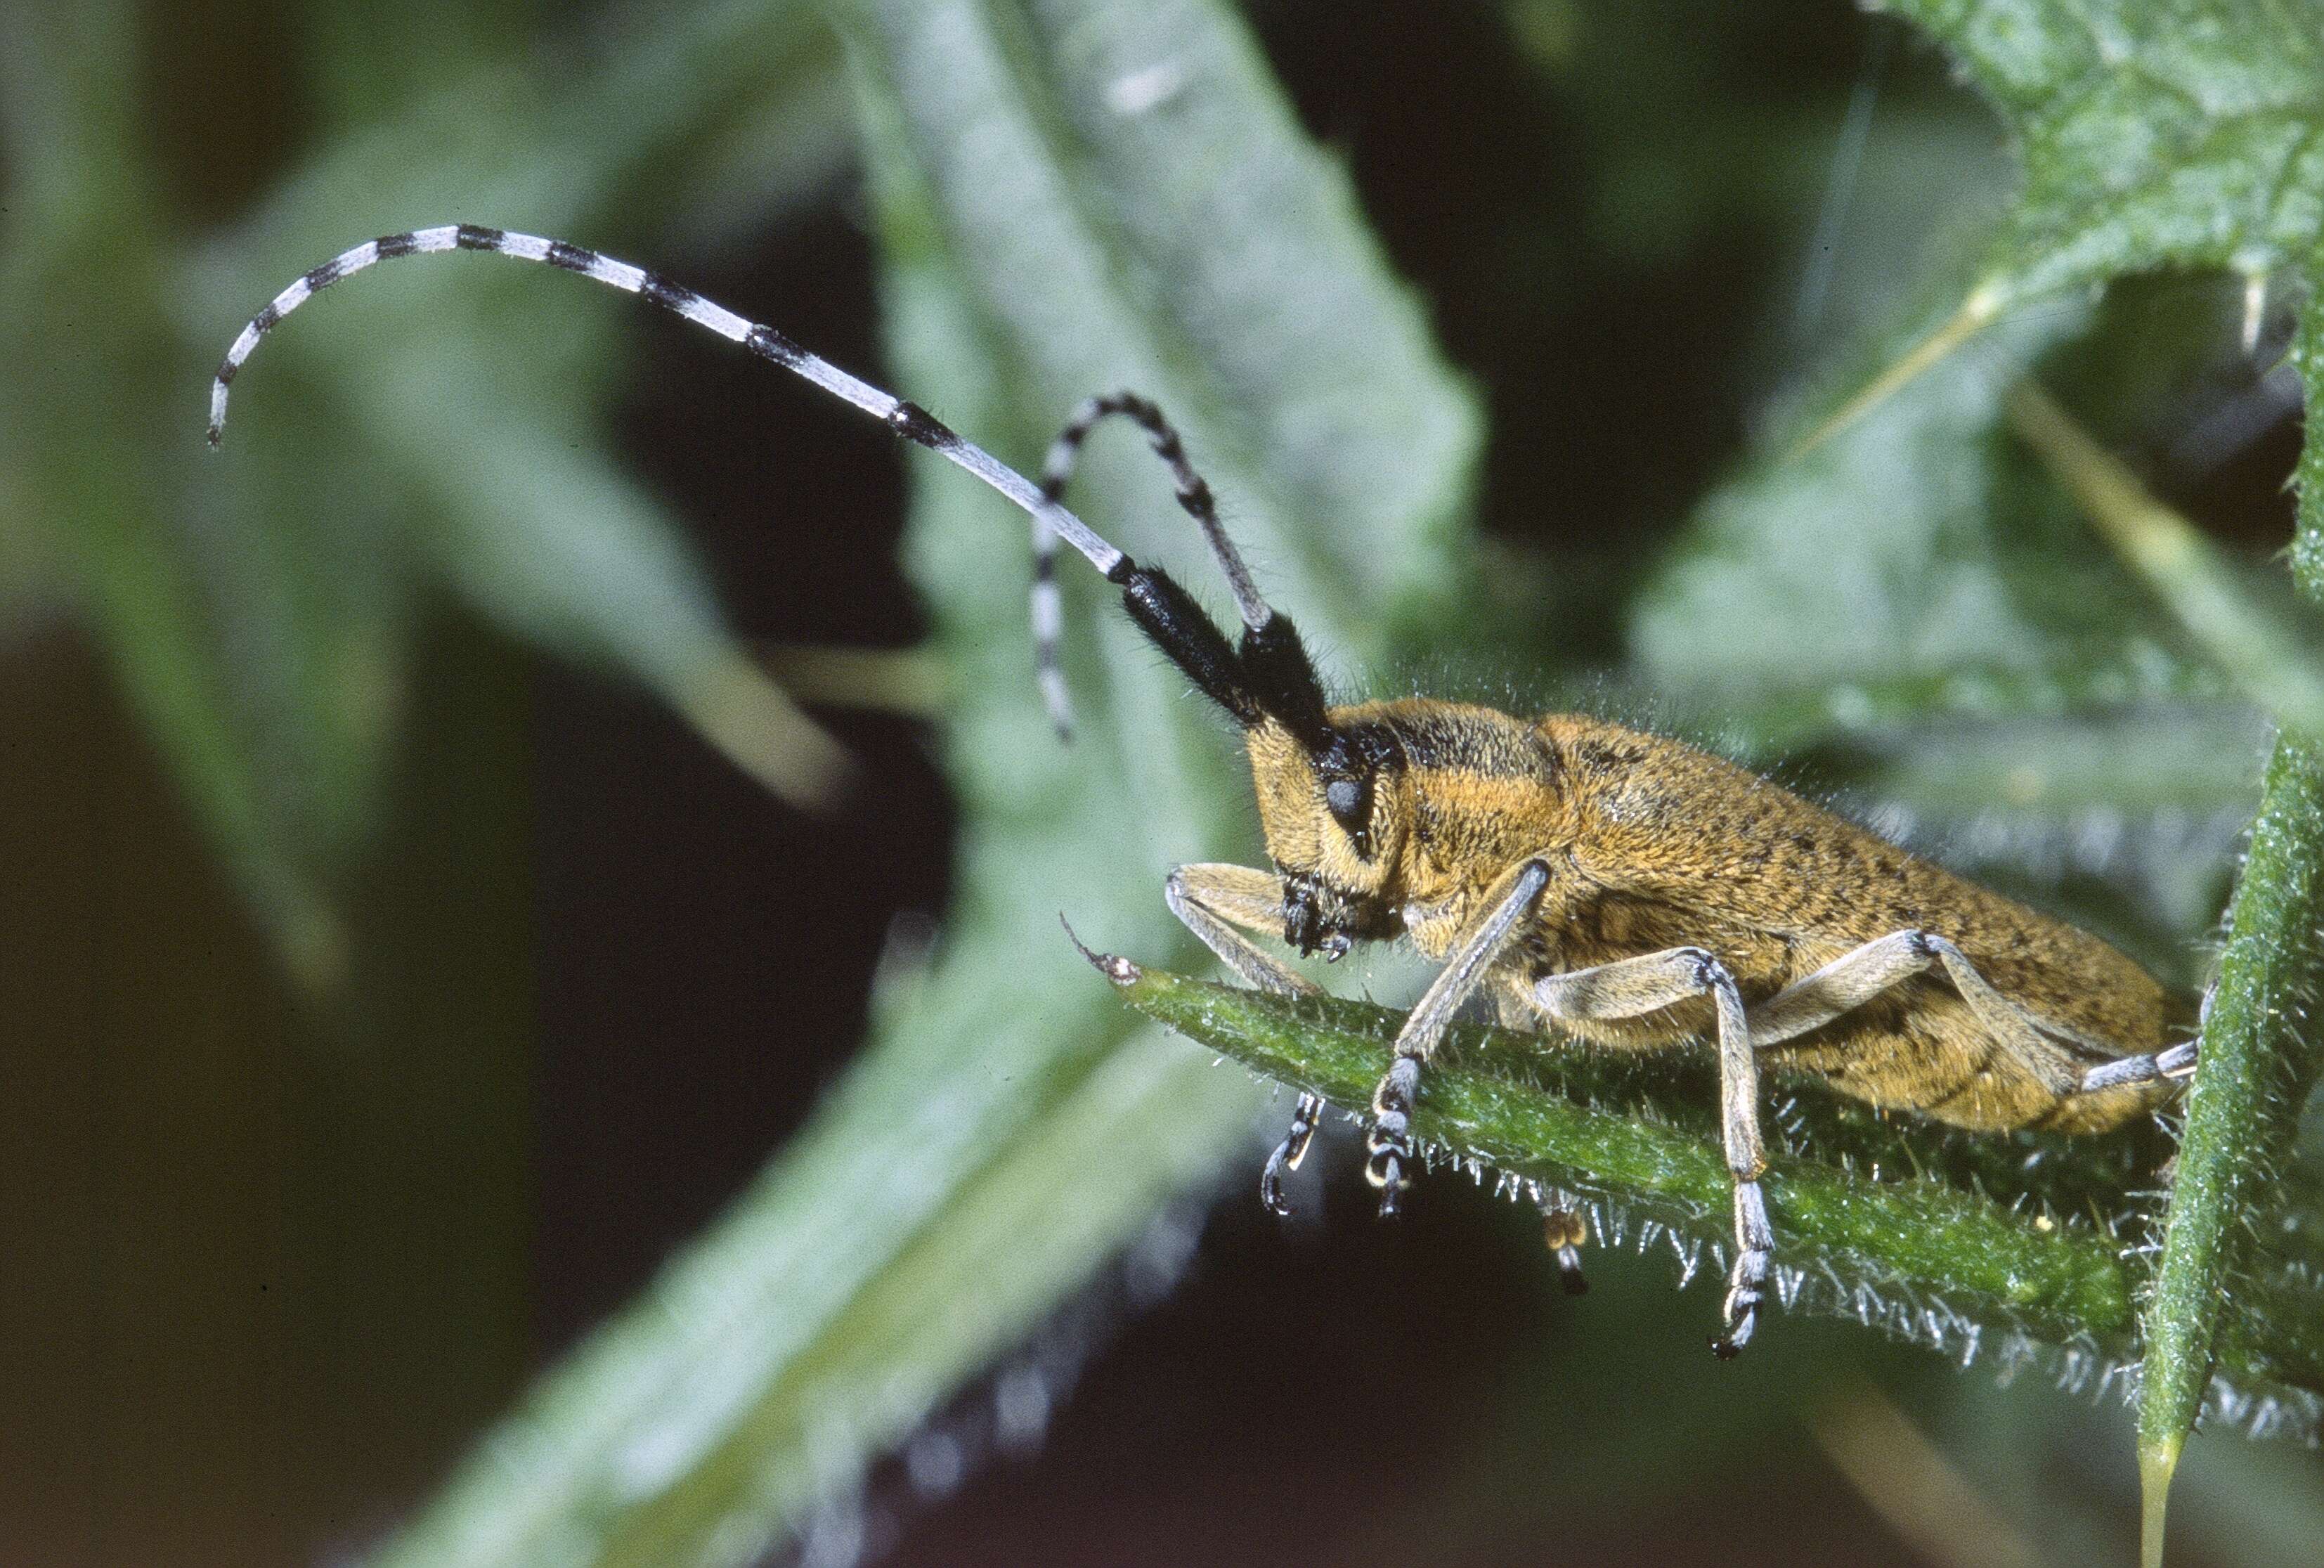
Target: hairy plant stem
column 2259, row 1062
column 1941, row 1236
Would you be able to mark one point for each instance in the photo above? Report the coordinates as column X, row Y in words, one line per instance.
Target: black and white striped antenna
column 1051, row 520
column 1157, row 603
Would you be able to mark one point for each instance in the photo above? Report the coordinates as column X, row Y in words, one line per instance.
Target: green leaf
column 1010, row 1128
column 2187, row 135
column 2253, row 626
column 2176, row 134
column 1977, row 1246
column 1918, row 551
column 2153, row 132
column 491, row 458
column 2150, row 136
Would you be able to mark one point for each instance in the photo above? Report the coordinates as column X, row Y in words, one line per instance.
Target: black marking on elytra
column 471, row 237
column 1606, row 759
column 768, row 344
column 916, row 424
column 392, row 245
column 571, row 258
column 1453, row 740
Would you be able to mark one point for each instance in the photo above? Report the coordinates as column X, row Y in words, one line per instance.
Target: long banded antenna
column 1193, row 495
column 1269, row 678
column 908, row 420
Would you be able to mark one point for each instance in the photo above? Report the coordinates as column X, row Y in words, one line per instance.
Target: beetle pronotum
column 1634, row 890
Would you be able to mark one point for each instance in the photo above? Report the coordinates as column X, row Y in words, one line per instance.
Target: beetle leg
column 1289, row 1153
column 1211, row 900
column 1632, row 986
column 1854, row 978
column 1389, row 1143
column 2177, row 1061
column 1566, row 1233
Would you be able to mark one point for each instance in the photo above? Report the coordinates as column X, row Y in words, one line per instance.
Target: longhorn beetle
column 1634, row 891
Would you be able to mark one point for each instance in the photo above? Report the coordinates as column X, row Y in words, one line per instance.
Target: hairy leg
column 1505, row 907
column 1211, row 900
column 1856, row 978
column 1633, row 986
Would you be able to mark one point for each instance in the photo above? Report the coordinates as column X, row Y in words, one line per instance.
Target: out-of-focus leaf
column 1961, row 1238
column 2153, row 132
column 536, row 526
column 1913, row 546
column 1010, row 1128
column 1250, row 344
column 200, row 623
column 2253, row 625
column 256, row 610
column 550, row 544
column 2261, row 1053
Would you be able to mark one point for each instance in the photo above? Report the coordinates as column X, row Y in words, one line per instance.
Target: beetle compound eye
column 1350, row 801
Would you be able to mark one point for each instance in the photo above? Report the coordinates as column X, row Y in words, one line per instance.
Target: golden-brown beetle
column 1627, row 888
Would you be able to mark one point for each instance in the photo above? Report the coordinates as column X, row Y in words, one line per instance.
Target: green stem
column 1953, row 1240
column 2258, row 1064
column 1979, row 310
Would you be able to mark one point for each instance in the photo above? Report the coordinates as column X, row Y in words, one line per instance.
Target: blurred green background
column 449, row 973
